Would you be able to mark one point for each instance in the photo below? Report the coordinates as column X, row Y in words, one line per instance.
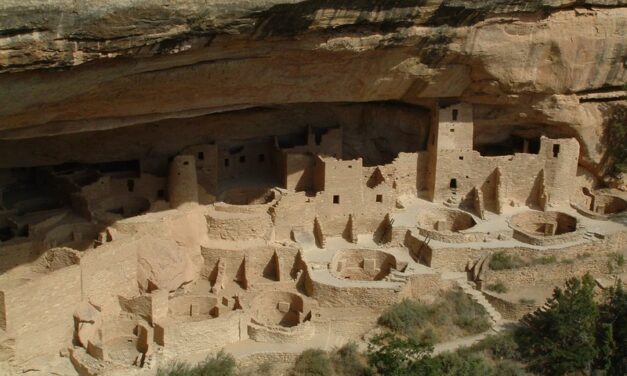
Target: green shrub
column 312, row 362
column 508, row 368
column 405, row 316
column 499, row 346
column 469, row 315
column 221, row 364
column 265, row 369
column 567, row 261
column 504, row 261
column 497, row 286
column 616, row 262
column 462, row 363
column 176, row 368
column 526, row 301
column 348, row 361
column 544, row 260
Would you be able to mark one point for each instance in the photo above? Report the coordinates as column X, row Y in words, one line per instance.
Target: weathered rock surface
column 550, row 66
column 166, row 265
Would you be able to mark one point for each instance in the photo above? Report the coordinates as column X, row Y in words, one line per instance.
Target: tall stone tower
column 183, row 182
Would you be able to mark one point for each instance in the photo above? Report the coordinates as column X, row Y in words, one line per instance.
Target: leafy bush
column 461, row 363
column 544, row 260
column 265, row 369
column 221, row 364
column 392, row 355
column 499, row 346
column 312, row 362
column 616, row 262
column 508, row 368
column 425, row 322
column 176, row 368
column 348, row 361
column 405, row 316
column 468, row 315
column 497, row 286
column 504, row 261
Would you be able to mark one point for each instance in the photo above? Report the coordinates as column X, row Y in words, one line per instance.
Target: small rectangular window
column 226, row 162
column 461, row 157
column 161, row 194
column 336, row 199
column 130, row 184
column 452, row 130
column 453, row 184
column 242, row 159
column 261, row 158
column 556, row 150
column 455, row 114
column 201, row 155
column 379, row 198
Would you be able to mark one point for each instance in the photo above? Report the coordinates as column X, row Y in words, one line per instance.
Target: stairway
column 460, row 279
column 592, row 236
column 480, row 299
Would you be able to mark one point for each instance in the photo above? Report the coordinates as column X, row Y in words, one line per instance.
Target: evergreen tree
column 561, row 337
column 613, row 333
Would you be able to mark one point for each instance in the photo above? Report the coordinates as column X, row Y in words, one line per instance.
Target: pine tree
column 561, row 338
column 613, row 333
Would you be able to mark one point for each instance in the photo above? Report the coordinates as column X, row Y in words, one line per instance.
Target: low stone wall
column 332, row 296
column 551, row 274
column 453, row 237
column 277, row 334
column 547, row 240
column 456, row 259
column 509, row 310
column 239, row 226
column 206, row 335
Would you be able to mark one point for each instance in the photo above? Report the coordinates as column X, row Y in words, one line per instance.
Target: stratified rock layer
column 555, row 67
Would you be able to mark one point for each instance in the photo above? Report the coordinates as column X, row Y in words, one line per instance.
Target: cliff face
column 554, row 67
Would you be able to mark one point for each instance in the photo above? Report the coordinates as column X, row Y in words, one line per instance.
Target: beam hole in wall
column 461, row 158
column 186, row 163
column 336, row 199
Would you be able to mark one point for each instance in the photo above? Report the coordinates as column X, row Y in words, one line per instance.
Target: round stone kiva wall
column 278, row 308
column 362, row 264
column 544, row 223
column 445, row 220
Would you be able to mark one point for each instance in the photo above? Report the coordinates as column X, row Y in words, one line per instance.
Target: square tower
column 455, row 127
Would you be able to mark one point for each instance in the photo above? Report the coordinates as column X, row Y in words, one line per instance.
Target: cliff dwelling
column 203, row 192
